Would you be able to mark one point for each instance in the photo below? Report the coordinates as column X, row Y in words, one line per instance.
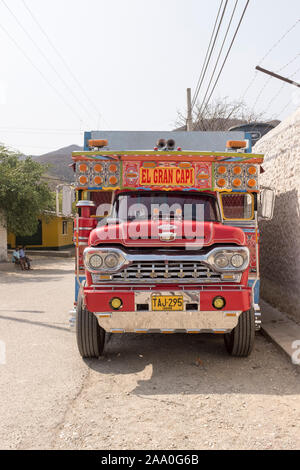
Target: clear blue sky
column 135, row 59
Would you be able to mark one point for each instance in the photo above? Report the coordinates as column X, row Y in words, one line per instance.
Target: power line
column 207, row 52
column 204, row 68
column 61, row 96
column 266, row 55
column 226, row 57
column 47, row 60
column 62, row 59
column 221, row 50
column 37, row 130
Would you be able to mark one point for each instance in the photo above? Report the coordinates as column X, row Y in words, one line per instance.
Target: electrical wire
column 221, row 50
column 63, row 60
column 225, row 59
column 61, row 96
column 205, row 66
column 265, row 56
column 47, row 60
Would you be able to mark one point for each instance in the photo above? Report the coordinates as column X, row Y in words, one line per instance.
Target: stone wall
column 3, row 240
column 280, row 237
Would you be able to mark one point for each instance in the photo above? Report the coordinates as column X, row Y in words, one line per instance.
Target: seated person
column 16, row 256
column 25, row 261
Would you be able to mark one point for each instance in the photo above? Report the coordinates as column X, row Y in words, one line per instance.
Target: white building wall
column 280, row 238
column 3, row 240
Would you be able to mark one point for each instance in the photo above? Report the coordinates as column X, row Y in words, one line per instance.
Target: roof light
column 97, row 143
column 236, row 144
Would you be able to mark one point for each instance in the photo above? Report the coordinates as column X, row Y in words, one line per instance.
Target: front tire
column 240, row 341
column 90, row 336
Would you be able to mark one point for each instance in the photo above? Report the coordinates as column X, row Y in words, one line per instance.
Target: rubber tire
column 240, row 341
column 90, row 336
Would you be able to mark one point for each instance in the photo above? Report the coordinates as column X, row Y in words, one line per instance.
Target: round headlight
column 95, row 261
column 237, row 261
column 111, row 261
column 221, row 261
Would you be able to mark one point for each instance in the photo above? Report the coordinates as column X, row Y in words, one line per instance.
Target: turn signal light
column 219, row 302
column 116, row 303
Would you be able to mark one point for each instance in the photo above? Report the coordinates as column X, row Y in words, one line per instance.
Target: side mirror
column 267, row 203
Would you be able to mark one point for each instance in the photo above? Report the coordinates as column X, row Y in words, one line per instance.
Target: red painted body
column 210, row 233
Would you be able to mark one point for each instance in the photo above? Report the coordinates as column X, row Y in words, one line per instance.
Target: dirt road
column 153, row 392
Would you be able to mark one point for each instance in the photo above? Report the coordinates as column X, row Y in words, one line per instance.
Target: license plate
column 167, row 302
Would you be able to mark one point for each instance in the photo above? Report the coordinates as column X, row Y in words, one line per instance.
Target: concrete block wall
column 280, row 237
column 3, row 240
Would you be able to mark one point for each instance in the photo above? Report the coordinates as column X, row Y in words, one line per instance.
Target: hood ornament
column 167, row 236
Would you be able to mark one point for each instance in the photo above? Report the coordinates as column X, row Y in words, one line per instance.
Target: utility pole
column 280, row 77
column 189, row 119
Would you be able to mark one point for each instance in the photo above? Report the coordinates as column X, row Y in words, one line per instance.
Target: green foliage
column 24, row 196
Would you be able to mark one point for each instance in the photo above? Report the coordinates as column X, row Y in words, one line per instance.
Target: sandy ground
column 153, row 392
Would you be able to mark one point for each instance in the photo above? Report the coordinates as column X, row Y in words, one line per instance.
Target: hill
column 59, row 161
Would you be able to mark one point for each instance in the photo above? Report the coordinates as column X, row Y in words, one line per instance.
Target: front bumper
column 136, row 314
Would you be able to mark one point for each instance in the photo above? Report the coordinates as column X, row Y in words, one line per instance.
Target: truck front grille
column 165, row 271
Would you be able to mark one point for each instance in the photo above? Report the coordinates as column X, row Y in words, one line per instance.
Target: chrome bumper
column 168, row 322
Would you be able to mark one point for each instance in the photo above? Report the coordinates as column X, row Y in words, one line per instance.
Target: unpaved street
column 153, row 392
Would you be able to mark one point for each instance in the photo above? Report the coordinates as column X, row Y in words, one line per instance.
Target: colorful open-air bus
column 167, row 240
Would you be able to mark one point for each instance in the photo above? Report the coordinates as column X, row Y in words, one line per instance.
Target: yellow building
column 53, row 233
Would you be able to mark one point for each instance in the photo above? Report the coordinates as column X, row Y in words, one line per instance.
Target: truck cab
column 167, row 241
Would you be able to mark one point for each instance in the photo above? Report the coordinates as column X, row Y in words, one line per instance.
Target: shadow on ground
column 197, row 364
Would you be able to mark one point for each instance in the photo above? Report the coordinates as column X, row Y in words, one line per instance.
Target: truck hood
column 149, row 233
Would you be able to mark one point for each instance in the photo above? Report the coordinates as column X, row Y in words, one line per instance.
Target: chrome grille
column 166, row 271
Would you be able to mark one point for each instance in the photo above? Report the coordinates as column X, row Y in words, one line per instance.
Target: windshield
column 143, row 205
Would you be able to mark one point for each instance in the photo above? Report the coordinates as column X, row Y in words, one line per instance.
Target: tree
column 220, row 115
column 24, row 196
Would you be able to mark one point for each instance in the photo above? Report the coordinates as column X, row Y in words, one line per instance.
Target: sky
column 126, row 65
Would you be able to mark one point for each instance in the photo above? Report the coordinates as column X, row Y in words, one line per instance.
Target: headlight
column 104, row 260
column 95, row 261
column 221, row 261
column 237, row 261
column 229, row 259
column 111, row 261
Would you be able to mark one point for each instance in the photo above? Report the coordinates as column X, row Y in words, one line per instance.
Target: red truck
column 167, row 241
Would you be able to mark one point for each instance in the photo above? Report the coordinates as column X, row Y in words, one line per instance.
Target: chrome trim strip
column 126, row 259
